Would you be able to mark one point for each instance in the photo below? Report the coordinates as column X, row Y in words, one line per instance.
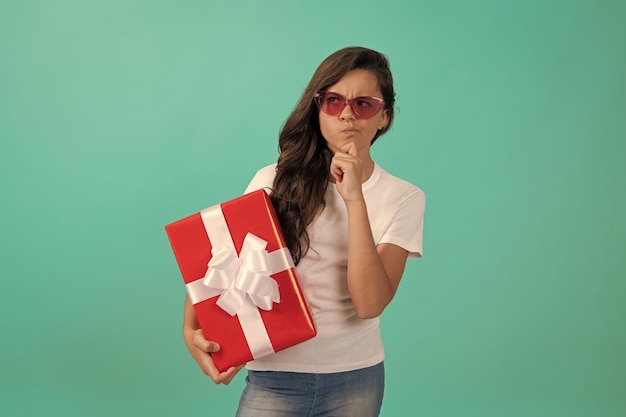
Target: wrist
column 357, row 203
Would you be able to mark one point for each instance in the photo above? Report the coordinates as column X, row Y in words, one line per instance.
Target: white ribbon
column 246, row 275
column 243, row 282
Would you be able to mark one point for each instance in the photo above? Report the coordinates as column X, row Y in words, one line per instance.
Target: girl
column 350, row 227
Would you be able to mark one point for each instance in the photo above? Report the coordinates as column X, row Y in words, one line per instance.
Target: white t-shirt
column 344, row 342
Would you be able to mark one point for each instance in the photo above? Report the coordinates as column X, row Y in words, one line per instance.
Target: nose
column 347, row 113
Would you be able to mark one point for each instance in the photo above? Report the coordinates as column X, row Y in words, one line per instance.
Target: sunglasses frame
column 349, row 102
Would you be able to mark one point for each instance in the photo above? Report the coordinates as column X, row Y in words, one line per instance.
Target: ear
column 384, row 118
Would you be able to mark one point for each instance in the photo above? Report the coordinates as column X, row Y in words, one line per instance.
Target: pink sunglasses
column 362, row 107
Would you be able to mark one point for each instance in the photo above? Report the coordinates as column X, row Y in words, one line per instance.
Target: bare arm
column 374, row 272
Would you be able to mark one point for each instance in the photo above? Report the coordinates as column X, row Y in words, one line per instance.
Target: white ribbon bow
column 242, row 277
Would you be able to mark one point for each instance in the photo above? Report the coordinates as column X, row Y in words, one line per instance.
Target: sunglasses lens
column 331, row 103
column 365, row 107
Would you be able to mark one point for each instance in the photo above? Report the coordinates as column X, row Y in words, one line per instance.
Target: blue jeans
column 356, row 393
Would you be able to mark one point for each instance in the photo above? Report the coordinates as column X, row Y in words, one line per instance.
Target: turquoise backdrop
column 118, row 117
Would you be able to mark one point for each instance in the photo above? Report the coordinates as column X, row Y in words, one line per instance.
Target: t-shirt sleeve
column 264, row 178
column 407, row 224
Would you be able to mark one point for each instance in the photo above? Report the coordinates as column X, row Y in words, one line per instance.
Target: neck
column 368, row 169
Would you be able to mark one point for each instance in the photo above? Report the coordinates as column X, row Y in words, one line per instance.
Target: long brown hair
column 303, row 165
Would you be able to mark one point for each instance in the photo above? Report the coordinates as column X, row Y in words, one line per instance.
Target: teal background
column 118, row 117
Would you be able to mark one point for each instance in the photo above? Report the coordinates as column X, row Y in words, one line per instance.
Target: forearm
column 190, row 322
column 201, row 349
column 369, row 284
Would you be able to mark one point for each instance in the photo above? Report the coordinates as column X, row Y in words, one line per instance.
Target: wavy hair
column 302, row 171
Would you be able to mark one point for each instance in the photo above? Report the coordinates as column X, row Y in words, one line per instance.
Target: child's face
column 345, row 127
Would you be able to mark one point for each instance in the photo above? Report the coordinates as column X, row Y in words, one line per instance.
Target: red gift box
column 241, row 279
